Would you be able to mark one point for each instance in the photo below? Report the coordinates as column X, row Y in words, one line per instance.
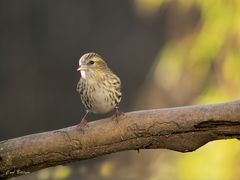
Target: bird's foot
column 81, row 126
column 117, row 115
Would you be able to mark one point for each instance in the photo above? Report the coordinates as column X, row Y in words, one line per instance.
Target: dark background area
column 41, row 43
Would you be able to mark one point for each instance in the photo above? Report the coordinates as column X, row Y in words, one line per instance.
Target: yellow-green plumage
column 99, row 87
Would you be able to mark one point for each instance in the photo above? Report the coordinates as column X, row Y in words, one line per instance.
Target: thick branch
column 181, row 129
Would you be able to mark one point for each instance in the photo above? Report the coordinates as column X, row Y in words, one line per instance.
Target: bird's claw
column 117, row 115
column 81, row 126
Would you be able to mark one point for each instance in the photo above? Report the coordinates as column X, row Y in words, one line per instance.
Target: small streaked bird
column 99, row 87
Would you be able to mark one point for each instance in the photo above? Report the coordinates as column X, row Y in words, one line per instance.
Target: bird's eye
column 91, row 62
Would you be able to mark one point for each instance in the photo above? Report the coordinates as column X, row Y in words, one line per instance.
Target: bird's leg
column 117, row 114
column 116, row 117
column 83, row 122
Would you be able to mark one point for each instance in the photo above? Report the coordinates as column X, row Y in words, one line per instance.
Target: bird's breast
column 103, row 100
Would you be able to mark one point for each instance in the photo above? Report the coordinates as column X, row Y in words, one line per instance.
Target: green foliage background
column 204, row 64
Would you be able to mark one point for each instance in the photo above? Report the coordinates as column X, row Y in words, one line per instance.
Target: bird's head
column 92, row 65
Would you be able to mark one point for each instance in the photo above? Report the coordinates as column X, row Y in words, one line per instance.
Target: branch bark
column 182, row 129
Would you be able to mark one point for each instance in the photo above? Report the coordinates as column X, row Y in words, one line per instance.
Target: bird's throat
column 83, row 74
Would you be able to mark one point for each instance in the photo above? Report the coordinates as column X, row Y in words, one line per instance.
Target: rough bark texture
column 182, row 129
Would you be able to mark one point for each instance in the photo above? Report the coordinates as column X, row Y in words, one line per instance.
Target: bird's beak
column 82, row 68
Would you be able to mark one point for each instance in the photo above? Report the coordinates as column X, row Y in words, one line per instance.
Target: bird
column 99, row 87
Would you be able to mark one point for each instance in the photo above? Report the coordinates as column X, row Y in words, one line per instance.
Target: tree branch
column 181, row 129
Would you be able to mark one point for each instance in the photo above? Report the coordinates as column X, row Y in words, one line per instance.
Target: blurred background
column 167, row 53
